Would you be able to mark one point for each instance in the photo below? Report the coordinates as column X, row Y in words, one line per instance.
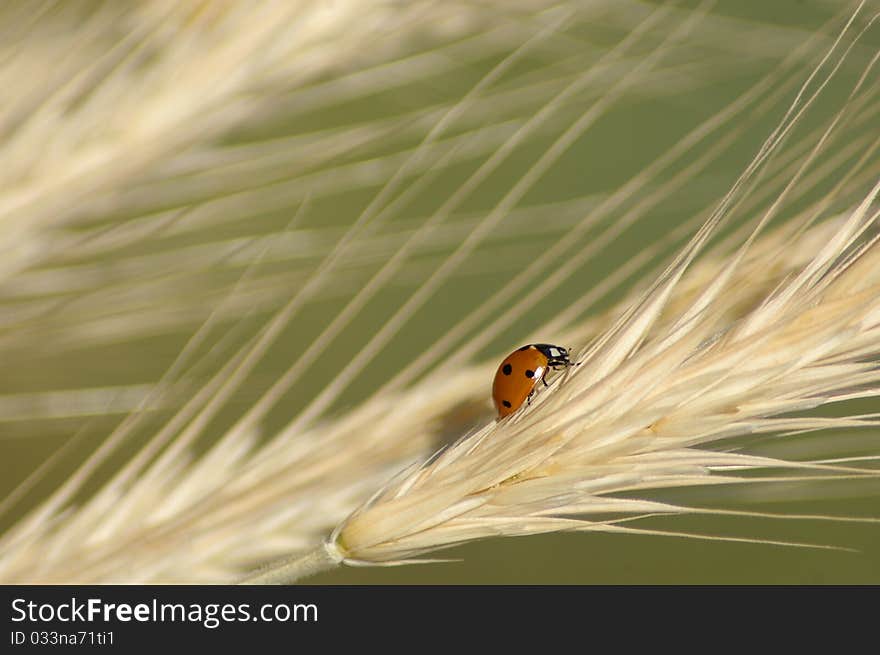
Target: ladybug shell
column 516, row 378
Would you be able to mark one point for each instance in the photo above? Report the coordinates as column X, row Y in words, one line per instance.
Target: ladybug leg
column 529, row 397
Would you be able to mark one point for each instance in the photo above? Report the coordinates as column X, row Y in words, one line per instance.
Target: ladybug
column 518, row 374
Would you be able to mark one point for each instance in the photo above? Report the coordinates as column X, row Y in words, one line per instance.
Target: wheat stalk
column 634, row 413
column 741, row 327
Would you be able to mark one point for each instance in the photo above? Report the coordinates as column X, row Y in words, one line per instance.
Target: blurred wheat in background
column 260, row 260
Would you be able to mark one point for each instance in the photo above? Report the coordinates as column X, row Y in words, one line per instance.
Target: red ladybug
column 518, row 374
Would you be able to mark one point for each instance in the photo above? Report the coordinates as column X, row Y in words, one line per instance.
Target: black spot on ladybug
column 506, row 403
column 530, row 373
column 507, row 370
column 526, row 347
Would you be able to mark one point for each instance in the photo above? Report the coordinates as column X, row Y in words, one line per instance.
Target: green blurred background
column 70, row 347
